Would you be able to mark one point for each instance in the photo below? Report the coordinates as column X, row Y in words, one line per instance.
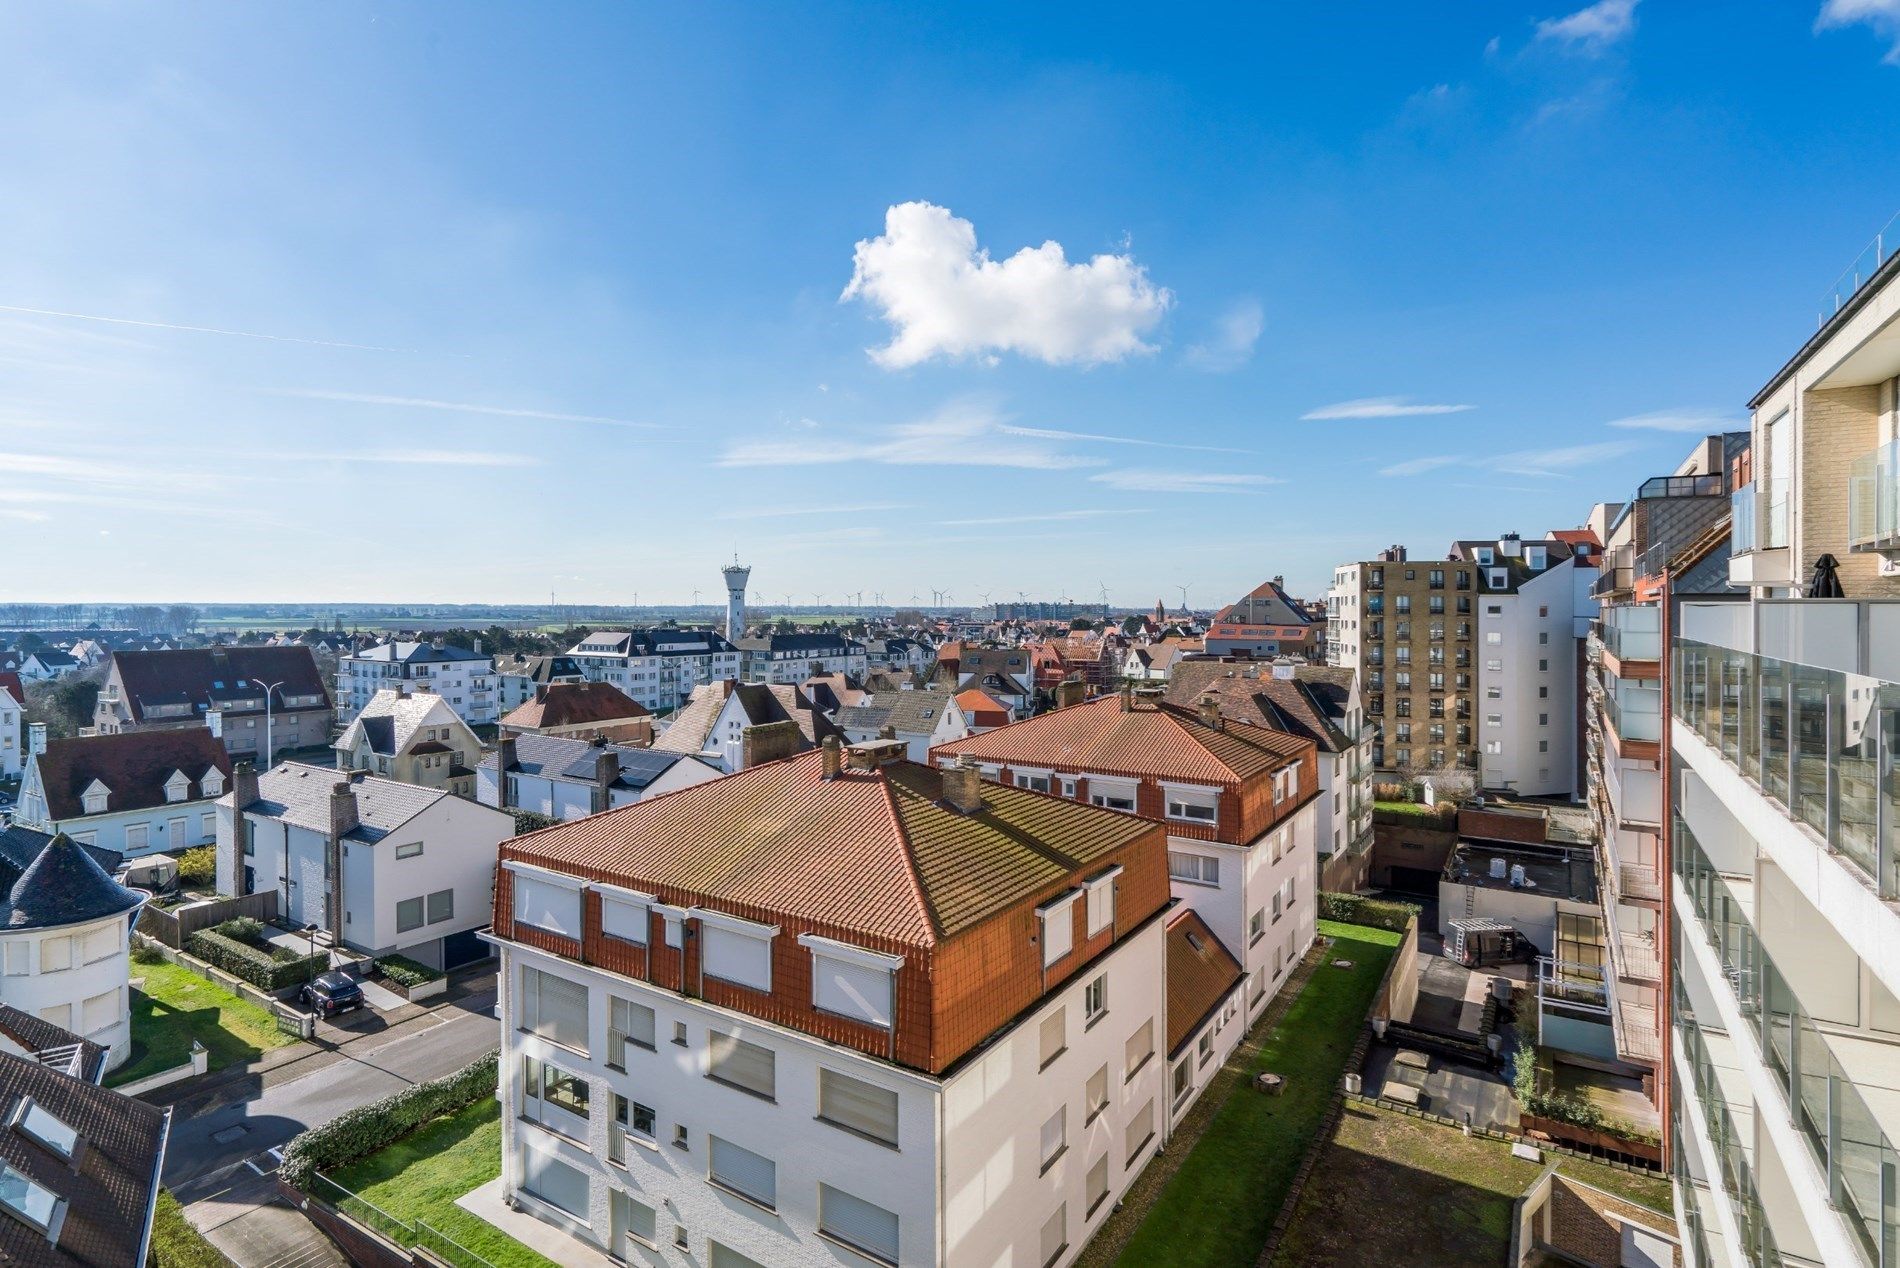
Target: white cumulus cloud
column 1380, row 407
column 945, row 297
column 1881, row 15
column 1593, row 29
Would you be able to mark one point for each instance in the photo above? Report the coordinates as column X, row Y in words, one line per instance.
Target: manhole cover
column 229, row 1134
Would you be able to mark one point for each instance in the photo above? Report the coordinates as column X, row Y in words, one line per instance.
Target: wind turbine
column 788, row 600
column 695, row 598
column 1183, row 589
column 948, row 597
column 1104, row 586
column 985, row 594
column 818, row 600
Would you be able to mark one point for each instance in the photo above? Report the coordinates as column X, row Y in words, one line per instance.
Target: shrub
column 175, row 1243
column 198, row 866
column 1377, row 913
column 405, row 972
column 361, row 1131
column 252, row 964
column 146, row 953
column 1443, row 816
column 242, row 929
column 530, row 820
column 1390, row 792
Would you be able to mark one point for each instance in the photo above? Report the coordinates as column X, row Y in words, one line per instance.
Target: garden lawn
column 1219, row 1208
column 175, row 1006
column 1394, row 1189
column 418, row 1178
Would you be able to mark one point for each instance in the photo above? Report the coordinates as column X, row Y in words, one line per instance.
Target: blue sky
column 475, row 302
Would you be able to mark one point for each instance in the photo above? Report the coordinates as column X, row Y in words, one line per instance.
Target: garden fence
column 407, row 1234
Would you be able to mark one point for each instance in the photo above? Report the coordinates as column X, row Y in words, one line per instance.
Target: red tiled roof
column 576, row 704
column 870, row 851
column 133, row 765
column 983, row 708
column 10, row 683
column 1201, row 973
column 1163, row 741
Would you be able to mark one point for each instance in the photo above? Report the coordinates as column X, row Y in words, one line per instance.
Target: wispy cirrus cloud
column 1880, row 16
column 1380, row 407
column 1419, row 466
column 1593, row 29
column 1046, row 518
column 1145, row 480
column 466, row 407
column 962, row 434
column 1231, row 345
column 197, row 330
column 1701, row 420
column 1050, row 433
column 786, row 512
column 945, row 297
column 1522, row 462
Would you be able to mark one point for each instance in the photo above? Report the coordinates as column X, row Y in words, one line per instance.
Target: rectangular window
column 408, row 915
column 743, row 1172
column 857, row 1106
column 1141, row 1130
column 553, row 1008
column 1054, row 1036
column 409, row 850
column 1095, row 999
column 1055, row 1235
column 635, row 1118
column 100, row 1012
column 1195, row 869
column 1035, row 783
column 627, row 1022
column 545, row 1087
column 1205, row 1047
column 731, row 1060
column 136, row 835
column 852, row 982
column 1096, row 1188
column 1055, row 1137
column 56, row 954
column 1140, row 1046
column 1182, row 1080
column 640, row 1220
column 1194, row 807
column 100, row 944
column 441, row 906
column 1101, row 900
column 552, row 1181
column 1095, row 1096
column 546, row 905
column 1058, row 928
column 740, row 956
column 868, row 1229
column 623, row 919
column 1257, row 926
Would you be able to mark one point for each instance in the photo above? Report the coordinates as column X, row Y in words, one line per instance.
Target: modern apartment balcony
column 1617, row 572
column 1632, row 640
column 1638, row 1029
column 1637, row 958
column 1758, row 535
column 1873, row 501
column 1639, row 882
column 1841, row 1165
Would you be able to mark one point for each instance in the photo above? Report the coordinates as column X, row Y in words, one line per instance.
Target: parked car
column 330, row 993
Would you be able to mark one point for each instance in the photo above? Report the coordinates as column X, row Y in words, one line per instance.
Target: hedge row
column 405, row 972
column 175, row 1243
column 1376, row 913
column 253, row 964
column 359, row 1132
column 527, row 821
column 1441, row 815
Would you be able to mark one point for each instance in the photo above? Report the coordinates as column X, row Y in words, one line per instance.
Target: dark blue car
column 330, row 993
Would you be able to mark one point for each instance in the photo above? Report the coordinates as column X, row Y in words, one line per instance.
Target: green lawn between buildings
column 417, row 1179
column 173, row 1006
column 1218, row 1209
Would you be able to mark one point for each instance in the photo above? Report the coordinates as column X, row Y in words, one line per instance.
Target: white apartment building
column 467, row 680
column 1784, row 823
column 64, row 926
column 745, row 1073
column 134, row 793
column 377, row 865
column 658, row 667
column 792, row 658
column 12, row 737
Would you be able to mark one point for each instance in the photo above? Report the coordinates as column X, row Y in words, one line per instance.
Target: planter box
column 1589, row 1138
column 426, row 990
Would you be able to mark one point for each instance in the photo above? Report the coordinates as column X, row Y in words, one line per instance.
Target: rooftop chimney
column 1128, row 697
column 343, row 817
column 436, row 642
column 1208, row 706
column 963, row 786
column 243, row 784
column 831, row 757
column 768, row 742
column 1071, row 691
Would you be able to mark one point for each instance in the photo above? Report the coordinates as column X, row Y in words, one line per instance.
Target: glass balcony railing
column 1821, row 744
column 1741, row 520
column 1731, row 1154
column 1826, row 1106
column 1633, row 633
column 1758, row 516
column 1635, row 715
column 1860, row 272
column 1873, row 499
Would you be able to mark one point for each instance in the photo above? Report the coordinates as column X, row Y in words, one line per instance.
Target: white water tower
column 737, row 575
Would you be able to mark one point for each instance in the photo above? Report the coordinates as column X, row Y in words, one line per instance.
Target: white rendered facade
column 180, row 824
column 12, row 737
column 562, row 797
column 659, row 668
column 1525, row 706
column 74, row 976
column 466, row 680
column 975, row 1176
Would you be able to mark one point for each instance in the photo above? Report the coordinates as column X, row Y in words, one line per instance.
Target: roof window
column 31, row 1203
column 38, row 1123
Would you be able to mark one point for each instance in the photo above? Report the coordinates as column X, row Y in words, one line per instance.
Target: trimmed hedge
column 1443, row 815
column 1377, row 913
column 253, row 964
column 361, row 1131
column 530, row 820
column 404, row 971
column 175, row 1243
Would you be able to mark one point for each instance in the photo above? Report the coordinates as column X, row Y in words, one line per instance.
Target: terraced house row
column 845, row 1007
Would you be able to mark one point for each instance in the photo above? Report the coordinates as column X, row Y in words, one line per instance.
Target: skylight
column 30, row 1201
column 40, row 1124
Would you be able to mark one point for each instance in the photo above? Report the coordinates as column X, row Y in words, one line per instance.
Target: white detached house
column 136, row 793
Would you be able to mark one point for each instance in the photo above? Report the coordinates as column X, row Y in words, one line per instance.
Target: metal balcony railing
column 1860, row 272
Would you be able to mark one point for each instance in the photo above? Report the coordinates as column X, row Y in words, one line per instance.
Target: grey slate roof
column 562, row 757
column 908, row 712
column 651, row 642
column 20, row 846
column 64, row 886
column 418, row 653
column 299, row 794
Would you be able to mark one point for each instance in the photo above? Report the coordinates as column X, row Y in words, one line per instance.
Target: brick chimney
column 504, row 762
column 833, row 757
column 767, row 742
column 243, row 784
column 343, row 818
column 1208, row 706
column 1128, row 697
column 963, row 786
column 606, row 771
column 1071, row 691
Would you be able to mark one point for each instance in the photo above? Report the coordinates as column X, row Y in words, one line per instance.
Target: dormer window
column 213, row 782
column 94, row 799
column 177, row 788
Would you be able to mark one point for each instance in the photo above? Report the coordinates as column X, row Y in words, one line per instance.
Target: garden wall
column 174, row 926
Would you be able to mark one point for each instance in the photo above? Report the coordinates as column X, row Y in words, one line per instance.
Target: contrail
column 200, row 330
column 460, row 407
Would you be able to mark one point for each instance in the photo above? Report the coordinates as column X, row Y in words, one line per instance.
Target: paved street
column 215, row 1134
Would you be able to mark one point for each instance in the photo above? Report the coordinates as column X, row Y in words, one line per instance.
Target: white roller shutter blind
column 548, row 906
column 736, row 957
column 555, row 1183
column 622, row 919
column 745, row 1172
column 554, row 1008
column 731, row 1059
column 868, row 1227
column 1058, row 929
column 851, row 990
column 858, row 1106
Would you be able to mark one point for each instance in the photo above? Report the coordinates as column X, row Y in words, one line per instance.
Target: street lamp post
column 270, row 750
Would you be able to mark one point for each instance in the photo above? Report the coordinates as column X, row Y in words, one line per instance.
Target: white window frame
column 1101, row 900
column 718, row 922
column 558, row 880
column 1056, row 926
column 1181, row 798
column 626, row 915
column 847, row 971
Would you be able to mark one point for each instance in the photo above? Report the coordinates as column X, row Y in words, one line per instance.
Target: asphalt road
column 211, row 1136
